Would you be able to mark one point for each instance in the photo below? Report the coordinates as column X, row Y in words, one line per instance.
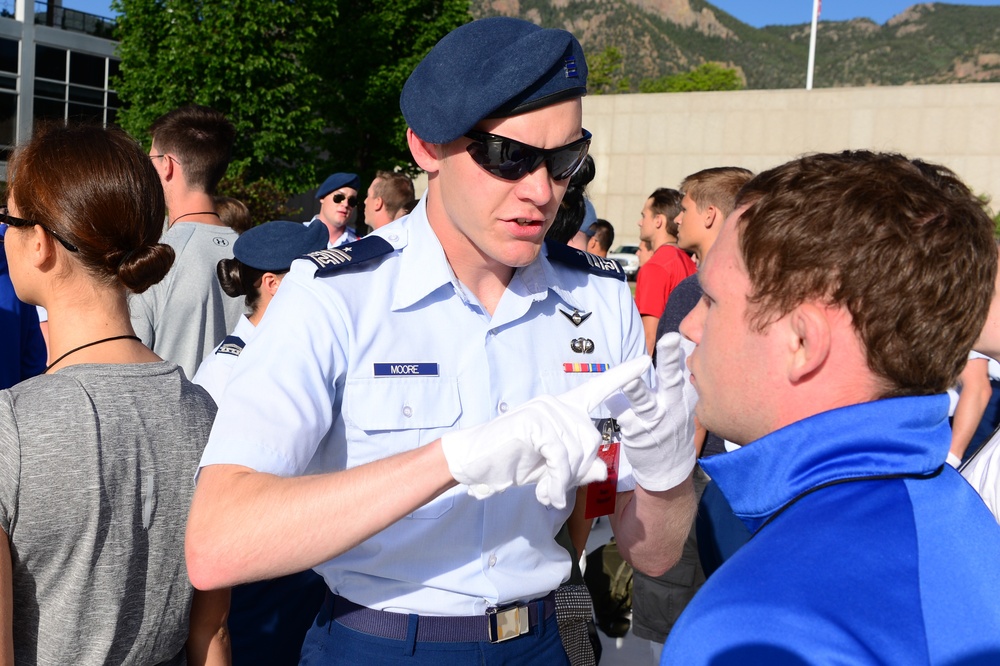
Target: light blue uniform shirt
column 213, row 373
column 311, row 395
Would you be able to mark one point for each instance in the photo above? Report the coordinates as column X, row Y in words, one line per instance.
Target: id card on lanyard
column 601, row 495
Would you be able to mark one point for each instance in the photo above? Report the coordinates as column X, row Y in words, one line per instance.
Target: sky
column 754, row 12
column 759, row 13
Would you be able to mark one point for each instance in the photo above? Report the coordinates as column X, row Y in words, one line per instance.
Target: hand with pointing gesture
column 549, row 441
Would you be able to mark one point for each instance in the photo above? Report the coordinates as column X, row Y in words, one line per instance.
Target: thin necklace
column 204, row 212
column 91, row 344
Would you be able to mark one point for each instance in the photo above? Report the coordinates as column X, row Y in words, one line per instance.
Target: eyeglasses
column 161, row 155
column 512, row 160
column 351, row 201
column 17, row 222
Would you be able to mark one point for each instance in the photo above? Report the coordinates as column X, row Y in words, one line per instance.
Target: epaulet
column 231, row 345
column 570, row 256
column 349, row 254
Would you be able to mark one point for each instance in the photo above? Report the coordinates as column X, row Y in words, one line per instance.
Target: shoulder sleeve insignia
column 231, row 345
column 570, row 256
column 333, row 259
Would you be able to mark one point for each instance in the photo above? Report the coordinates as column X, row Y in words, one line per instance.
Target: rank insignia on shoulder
column 231, row 345
column 569, row 256
column 576, row 316
column 333, row 259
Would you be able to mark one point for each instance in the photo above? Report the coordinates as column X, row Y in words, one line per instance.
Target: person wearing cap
column 262, row 256
column 268, row 619
column 338, row 206
column 417, row 410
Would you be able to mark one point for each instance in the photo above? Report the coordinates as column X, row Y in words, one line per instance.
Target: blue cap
column 336, row 181
column 491, row 68
column 273, row 246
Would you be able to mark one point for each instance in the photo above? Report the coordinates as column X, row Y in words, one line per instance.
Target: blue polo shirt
column 844, row 568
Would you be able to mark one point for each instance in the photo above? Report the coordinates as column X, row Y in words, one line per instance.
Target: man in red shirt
column 668, row 265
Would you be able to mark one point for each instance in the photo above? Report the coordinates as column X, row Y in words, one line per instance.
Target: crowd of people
column 280, row 442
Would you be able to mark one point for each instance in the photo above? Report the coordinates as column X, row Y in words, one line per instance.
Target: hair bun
column 142, row 267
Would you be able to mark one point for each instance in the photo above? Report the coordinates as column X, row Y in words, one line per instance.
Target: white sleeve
column 280, row 400
column 983, row 473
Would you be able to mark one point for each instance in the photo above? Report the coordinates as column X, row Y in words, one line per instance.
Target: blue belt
column 496, row 626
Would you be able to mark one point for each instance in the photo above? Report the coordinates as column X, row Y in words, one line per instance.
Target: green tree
column 367, row 56
column 245, row 58
column 606, row 72
column 708, row 76
column 312, row 86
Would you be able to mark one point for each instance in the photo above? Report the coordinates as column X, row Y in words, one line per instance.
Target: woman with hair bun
column 261, row 256
column 269, row 619
column 97, row 455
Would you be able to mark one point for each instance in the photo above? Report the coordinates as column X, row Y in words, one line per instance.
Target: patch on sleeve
column 570, row 256
column 231, row 345
column 350, row 254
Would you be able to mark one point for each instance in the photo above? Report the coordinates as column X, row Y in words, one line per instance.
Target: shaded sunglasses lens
column 567, row 161
column 502, row 157
column 351, row 201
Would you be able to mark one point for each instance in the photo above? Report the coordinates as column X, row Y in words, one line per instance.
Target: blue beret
column 273, row 246
column 336, row 181
column 491, row 68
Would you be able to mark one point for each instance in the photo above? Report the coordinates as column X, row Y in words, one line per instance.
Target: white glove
column 549, row 441
column 658, row 428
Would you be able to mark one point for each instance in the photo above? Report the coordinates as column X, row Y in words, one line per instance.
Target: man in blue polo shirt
column 840, row 302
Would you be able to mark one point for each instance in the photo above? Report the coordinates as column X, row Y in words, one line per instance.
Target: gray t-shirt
column 184, row 316
column 97, row 468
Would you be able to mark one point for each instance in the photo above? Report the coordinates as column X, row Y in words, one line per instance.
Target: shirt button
column 407, row 411
column 493, row 560
column 394, row 237
column 502, row 407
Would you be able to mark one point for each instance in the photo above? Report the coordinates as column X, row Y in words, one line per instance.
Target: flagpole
column 812, row 46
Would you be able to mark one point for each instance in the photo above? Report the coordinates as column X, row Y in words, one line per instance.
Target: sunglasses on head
column 351, row 201
column 512, row 160
column 17, row 222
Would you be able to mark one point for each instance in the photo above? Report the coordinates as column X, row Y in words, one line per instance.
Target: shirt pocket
column 384, row 416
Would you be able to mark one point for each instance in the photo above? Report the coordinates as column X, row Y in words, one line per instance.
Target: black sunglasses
column 512, row 160
column 11, row 221
column 351, row 201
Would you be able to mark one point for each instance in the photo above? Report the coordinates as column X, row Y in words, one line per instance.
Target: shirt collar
column 424, row 268
column 894, row 436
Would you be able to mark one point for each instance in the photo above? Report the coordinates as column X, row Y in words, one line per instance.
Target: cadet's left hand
column 658, row 429
column 549, row 441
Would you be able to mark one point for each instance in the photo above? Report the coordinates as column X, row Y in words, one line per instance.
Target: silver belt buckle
column 507, row 623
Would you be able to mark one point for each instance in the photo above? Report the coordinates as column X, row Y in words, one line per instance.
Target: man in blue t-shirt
column 840, row 302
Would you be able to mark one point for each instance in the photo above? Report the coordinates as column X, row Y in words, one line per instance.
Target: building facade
column 55, row 63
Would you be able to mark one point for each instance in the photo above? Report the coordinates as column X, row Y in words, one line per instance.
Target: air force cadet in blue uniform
column 431, row 389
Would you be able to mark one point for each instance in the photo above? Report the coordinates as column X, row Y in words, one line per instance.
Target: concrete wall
column 642, row 142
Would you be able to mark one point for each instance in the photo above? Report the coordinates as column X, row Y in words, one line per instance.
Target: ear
column 660, row 220
column 40, row 247
column 809, row 337
column 378, row 204
column 712, row 216
column 269, row 282
column 426, row 155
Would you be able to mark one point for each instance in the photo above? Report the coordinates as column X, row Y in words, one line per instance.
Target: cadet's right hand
column 549, row 441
